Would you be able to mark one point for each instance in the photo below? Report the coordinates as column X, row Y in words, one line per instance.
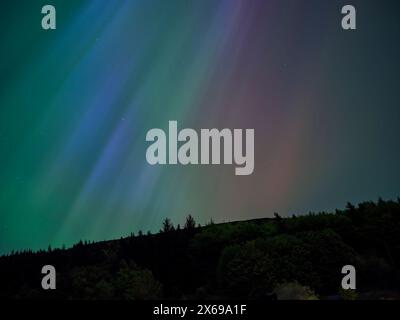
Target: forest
column 297, row 257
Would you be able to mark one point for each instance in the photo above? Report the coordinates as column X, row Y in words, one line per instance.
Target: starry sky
column 76, row 104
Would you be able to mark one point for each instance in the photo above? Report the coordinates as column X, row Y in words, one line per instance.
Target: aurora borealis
column 76, row 104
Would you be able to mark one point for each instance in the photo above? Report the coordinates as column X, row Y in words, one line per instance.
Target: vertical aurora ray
column 76, row 104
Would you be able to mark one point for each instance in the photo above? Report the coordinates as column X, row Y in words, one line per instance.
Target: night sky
column 76, row 104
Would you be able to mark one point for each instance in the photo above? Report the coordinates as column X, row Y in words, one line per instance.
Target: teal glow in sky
column 76, row 104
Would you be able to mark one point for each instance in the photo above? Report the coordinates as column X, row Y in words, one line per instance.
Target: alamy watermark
column 188, row 147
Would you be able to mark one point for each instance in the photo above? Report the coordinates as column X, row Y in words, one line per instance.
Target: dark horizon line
column 210, row 222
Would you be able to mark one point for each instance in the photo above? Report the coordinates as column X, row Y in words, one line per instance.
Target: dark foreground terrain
column 286, row 258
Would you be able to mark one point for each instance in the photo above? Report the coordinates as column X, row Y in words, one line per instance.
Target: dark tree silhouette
column 167, row 225
column 350, row 207
column 244, row 259
column 279, row 222
column 190, row 223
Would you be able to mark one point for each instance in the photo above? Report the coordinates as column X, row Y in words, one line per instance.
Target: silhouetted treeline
column 289, row 258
